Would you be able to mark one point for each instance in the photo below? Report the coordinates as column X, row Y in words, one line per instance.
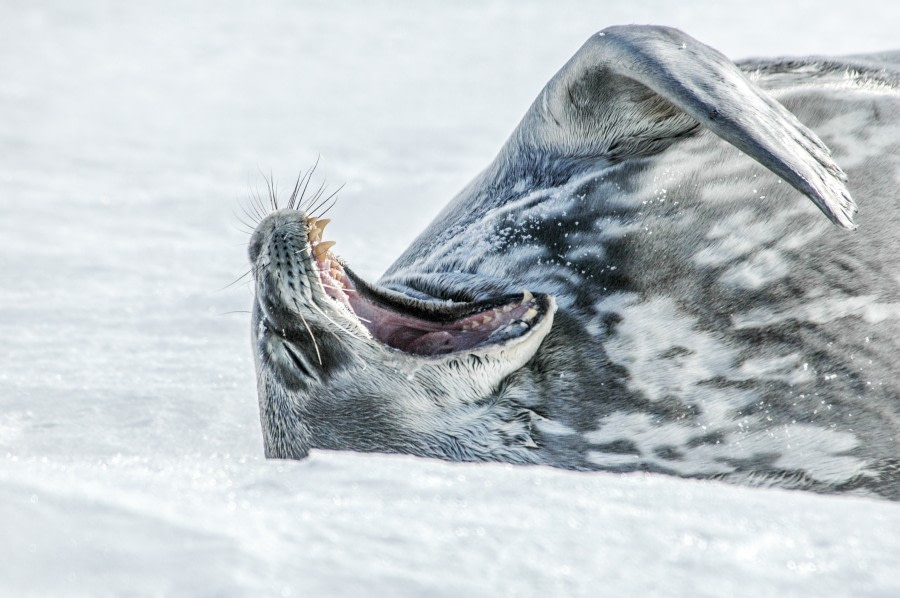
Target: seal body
column 635, row 283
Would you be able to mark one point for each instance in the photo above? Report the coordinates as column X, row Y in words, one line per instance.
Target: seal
column 634, row 284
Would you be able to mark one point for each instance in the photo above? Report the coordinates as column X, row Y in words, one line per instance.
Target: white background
column 130, row 452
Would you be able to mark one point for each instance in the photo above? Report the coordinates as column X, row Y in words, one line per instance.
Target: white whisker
column 309, row 330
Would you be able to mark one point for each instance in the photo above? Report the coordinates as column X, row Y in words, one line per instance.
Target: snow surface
column 130, row 451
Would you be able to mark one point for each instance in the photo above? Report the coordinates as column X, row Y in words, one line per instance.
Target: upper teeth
column 316, row 228
column 322, row 248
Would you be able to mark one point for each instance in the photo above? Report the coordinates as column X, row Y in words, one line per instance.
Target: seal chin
column 300, row 284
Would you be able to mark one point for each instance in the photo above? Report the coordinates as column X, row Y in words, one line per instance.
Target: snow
column 130, row 452
column 348, row 524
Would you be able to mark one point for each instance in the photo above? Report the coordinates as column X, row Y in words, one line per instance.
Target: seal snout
column 281, row 226
column 295, row 272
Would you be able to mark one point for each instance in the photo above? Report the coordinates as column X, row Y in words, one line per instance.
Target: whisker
column 315, row 268
column 270, row 193
column 253, row 218
column 315, row 197
column 296, row 192
column 241, row 220
column 336, row 191
column 328, row 209
column 332, row 332
column 328, row 286
column 273, row 191
column 309, row 330
column 243, row 229
column 324, row 315
column 309, row 174
column 325, row 201
column 235, row 281
column 258, row 207
column 344, row 342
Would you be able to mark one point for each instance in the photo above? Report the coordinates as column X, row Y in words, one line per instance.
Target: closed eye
column 298, row 361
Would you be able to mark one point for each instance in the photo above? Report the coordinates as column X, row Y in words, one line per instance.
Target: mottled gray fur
column 710, row 323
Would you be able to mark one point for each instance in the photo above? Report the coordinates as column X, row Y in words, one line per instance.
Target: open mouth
column 421, row 327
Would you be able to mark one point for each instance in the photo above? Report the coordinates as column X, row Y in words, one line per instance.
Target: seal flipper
column 630, row 91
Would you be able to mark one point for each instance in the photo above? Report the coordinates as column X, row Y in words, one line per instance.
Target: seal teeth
column 322, row 248
column 529, row 315
column 527, row 296
column 319, row 227
column 315, row 228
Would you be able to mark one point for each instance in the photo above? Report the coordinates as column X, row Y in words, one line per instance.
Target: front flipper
column 631, row 91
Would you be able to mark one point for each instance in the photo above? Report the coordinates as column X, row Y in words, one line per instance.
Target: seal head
column 330, row 347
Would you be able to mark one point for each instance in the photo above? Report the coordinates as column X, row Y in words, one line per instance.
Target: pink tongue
column 423, row 337
column 434, row 343
column 444, row 341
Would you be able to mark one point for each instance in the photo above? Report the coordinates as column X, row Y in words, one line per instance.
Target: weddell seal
column 634, row 284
